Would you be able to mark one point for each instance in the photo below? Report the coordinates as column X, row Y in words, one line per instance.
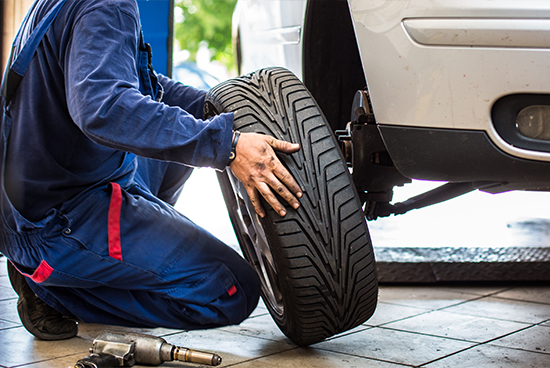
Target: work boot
column 37, row 317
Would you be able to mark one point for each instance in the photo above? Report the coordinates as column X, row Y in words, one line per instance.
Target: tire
column 316, row 264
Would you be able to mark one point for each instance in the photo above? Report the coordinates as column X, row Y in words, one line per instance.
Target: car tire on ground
column 316, row 264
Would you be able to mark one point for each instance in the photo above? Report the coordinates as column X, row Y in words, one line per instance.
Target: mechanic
column 96, row 150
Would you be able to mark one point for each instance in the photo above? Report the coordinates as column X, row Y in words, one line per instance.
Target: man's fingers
column 259, row 168
column 283, row 146
column 267, row 189
column 285, row 177
column 283, row 183
column 283, row 192
column 255, row 200
column 270, row 198
column 289, row 182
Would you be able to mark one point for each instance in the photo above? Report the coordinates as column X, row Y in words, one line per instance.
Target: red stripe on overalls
column 41, row 274
column 232, row 290
column 113, row 225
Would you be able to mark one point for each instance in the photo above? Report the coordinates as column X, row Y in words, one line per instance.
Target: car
column 190, row 74
column 458, row 91
column 387, row 92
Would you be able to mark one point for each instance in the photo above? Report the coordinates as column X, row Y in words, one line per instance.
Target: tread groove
column 322, row 250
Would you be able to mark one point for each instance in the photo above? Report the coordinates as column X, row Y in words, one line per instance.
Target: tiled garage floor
column 418, row 326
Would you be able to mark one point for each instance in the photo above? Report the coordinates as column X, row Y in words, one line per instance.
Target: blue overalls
column 119, row 253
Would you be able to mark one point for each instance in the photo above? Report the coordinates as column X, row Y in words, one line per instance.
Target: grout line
column 494, row 294
column 440, row 308
column 404, row 305
column 492, row 318
column 398, row 320
column 9, row 298
column 522, row 300
column 482, row 294
column 449, row 355
column 461, row 303
column 528, row 326
column 362, row 357
column 173, row 333
column 431, row 335
column 477, row 297
column 501, row 291
column 443, row 309
column 289, row 342
column 483, row 344
column 18, row 323
column 261, row 357
column 348, row 333
column 520, row 349
column 488, row 343
column 10, row 328
column 49, row 360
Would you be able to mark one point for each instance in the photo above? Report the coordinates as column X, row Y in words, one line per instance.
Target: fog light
column 534, row 122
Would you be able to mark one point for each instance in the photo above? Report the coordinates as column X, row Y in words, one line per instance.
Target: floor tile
column 89, row 331
column 233, row 348
column 63, row 362
column 413, row 325
column 504, row 309
column 300, row 358
column 212, row 341
column 260, row 326
column 4, row 280
column 18, row 347
column 526, row 293
column 8, row 310
column 260, row 309
column 457, row 326
column 8, row 324
column 3, row 266
column 391, row 312
column 7, row 293
column 425, row 297
column 477, row 289
column 393, row 346
column 536, row 339
column 493, row 356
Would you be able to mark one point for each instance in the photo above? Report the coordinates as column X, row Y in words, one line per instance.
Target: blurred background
column 196, row 48
column 203, row 47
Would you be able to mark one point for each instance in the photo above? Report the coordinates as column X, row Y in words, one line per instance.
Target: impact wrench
column 121, row 349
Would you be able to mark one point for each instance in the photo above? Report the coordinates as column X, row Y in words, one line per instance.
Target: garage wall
column 13, row 12
column 156, row 18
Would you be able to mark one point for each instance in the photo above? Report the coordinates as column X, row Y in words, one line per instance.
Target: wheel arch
column 331, row 62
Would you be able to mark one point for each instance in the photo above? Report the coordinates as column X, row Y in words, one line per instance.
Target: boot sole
column 25, row 319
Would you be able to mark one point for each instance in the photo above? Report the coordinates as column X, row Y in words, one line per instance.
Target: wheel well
column 332, row 68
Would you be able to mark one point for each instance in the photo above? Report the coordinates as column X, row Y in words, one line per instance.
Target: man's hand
column 259, row 169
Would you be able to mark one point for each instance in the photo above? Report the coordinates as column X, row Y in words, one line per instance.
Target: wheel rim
column 254, row 243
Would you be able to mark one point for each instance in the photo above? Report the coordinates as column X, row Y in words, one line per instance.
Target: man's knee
column 242, row 299
column 237, row 308
column 231, row 308
column 250, row 284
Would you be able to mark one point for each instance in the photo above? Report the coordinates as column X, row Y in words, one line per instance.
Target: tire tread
column 324, row 245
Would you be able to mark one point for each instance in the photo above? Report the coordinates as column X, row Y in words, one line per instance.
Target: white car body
column 447, row 62
column 271, row 32
column 430, row 65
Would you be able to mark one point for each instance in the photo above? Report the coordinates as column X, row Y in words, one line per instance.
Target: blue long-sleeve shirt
column 78, row 110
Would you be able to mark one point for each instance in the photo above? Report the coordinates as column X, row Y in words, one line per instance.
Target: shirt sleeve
column 104, row 99
column 186, row 97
